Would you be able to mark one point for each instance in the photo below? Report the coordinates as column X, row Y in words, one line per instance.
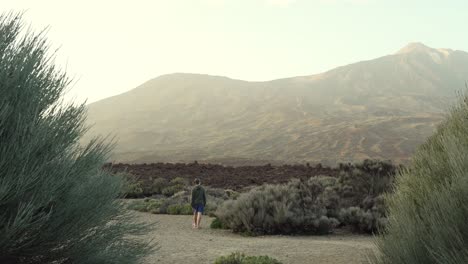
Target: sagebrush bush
column 271, row 209
column 231, row 194
column 173, row 189
column 365, row 221
column 179, row 181
column 158, row 185
column 368, row 178
column 217, row 224
column 180, row 209
column 429, row 209
column 239, row 258
column 315, row 206
column 132, row 189
column 146, row 205
column 57, row 204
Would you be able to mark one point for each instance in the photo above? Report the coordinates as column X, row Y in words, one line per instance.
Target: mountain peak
column 415, row 47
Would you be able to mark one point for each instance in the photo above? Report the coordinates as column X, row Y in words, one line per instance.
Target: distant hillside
column 381, row 108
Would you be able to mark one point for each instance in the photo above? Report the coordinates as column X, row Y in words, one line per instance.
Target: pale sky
column 110, row 47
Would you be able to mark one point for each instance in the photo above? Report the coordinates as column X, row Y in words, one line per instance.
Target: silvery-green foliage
column 429, row 210
column 56, row 204
column 287, row 208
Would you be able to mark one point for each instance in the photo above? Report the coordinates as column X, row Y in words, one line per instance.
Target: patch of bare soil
column 181, row 244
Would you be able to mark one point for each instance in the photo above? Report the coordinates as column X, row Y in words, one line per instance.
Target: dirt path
column 179, row 244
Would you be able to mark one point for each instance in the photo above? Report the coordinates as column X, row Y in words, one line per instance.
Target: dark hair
column 196, row 181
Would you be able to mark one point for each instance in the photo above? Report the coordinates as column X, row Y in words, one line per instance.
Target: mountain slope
column 381, row 108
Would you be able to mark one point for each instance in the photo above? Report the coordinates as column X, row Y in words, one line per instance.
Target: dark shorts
column 199, row 208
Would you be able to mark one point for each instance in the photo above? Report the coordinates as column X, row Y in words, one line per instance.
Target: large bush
column 314, row 206
column 295, row 207
column 180, row 209
column 369, row 178
column 158, row 185
column 56, row 203
column 132, row 188
column 429, row 209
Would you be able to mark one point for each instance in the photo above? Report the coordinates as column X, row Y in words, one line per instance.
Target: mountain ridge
column 381, row 108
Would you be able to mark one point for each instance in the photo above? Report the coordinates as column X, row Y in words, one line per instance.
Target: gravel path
column 180, row 244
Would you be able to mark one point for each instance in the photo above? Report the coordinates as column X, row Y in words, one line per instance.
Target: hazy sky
column 113, row 46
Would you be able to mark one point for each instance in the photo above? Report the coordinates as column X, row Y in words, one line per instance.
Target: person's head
column 197, row 181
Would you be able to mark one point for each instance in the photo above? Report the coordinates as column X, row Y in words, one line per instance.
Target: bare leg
column 194, row 223
column 199, row 219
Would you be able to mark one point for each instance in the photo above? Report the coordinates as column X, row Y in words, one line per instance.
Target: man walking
column 198, row 203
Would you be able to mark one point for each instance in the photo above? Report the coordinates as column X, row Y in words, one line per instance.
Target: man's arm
column 204, row 198
column 193, row 198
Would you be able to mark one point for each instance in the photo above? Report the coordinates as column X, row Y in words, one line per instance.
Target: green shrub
column 146, row 205
column 325, row 225
column 239, row 258
column 179, row 181
column 186, row 209
column 362, row 220
column 429, row 209
column 212, row 205
column 152, row 205
column 171, row 190
column 180, row 209
column 158, row 185
column 57, row 204
column 217, row 224
column 368, row 178
column 216, row 193
column 295, row 207
column 173, row 209
column 133, row 189
column 313, row 206
column 231, row 194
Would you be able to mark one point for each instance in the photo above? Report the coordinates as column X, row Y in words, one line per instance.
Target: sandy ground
column 180, row 244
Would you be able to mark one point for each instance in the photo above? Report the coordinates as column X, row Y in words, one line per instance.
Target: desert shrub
column 212, row 204
column 152, row 205
column 331, row 200
column 217, row 224
column 239, row 258
column 430, row 205
column 179, row 181
column 173, row 209
column 158, row 185
column 315, row 206
column 132, row 189
column 368, row 178
column 272, row 209
column 216, row 193
column 180, row 198
column 325, row 181
column 186, row 209
column 180, row 209
column 146, row 205
column 324, row 225
column 171, row 190
column 231, row 194
column 57, row 204
column 365, row 221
